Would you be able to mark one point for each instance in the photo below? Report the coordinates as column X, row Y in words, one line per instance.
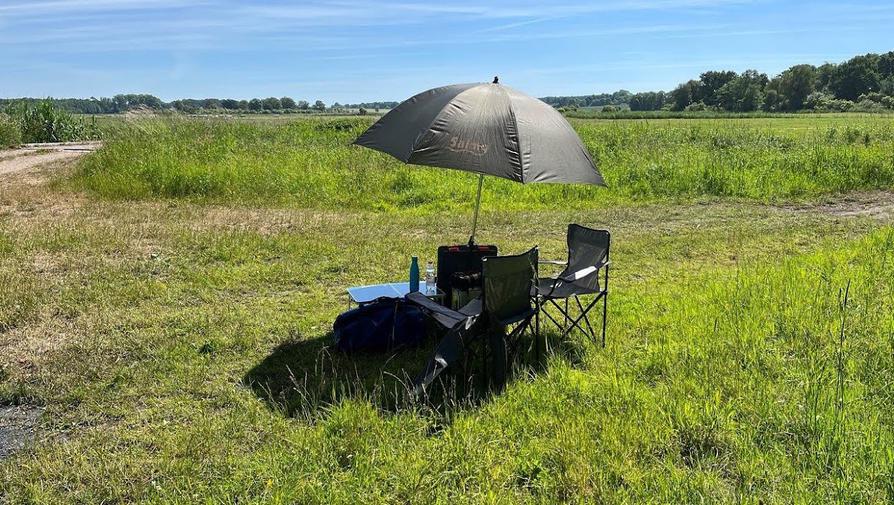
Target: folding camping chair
column 587, row 255
column 505, row 302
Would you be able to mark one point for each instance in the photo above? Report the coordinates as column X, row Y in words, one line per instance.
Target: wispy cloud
column 392, row 48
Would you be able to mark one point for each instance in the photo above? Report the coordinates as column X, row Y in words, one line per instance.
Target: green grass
column 45, row 122
column 10, row 133
column 176, row 339
column 718, row 382
column 310, row 163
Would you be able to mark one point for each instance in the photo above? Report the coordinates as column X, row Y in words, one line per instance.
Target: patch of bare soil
column 34, row 155
column 875, row 204
column 17, row 427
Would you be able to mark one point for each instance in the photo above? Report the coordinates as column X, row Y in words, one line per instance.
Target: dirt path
column 878, row 204
column 34, row 155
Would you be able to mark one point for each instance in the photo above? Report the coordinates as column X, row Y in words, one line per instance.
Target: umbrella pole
column 477, row 206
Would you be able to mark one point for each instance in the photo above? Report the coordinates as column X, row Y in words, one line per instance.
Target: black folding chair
column 505, row 303
column 587, row 256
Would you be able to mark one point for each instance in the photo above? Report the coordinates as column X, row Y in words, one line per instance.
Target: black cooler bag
column 381, row 325
column 459, row 268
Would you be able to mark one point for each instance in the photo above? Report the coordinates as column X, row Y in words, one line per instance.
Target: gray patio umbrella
column 486, row 128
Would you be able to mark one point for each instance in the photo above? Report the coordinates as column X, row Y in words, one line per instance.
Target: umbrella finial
column 496, row 79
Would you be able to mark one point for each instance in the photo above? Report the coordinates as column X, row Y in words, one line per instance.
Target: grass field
column 311, row 163
column 167, row 302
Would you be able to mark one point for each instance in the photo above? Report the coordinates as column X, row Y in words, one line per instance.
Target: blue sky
column 358, row 50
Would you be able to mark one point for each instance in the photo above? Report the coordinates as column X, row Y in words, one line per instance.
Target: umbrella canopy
column 486, row 128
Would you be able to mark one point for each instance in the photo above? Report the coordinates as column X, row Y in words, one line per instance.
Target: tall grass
column 311, row 163
column 45, row 122
column 10, row 133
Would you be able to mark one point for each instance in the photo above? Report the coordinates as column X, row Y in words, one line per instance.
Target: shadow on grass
column 300, row 378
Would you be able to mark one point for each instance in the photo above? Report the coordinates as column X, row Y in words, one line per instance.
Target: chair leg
column 567, row 317
column 560, row 326
column 575, row 323
column 604, row 316
column 537, row 329
column 592, row 334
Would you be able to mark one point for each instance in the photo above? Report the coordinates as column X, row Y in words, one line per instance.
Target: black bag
column 463, row 259
column 381, row 325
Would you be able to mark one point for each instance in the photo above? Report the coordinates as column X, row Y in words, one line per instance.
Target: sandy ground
column 34, row 155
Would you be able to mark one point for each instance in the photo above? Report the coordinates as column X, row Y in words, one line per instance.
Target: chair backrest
column 507, row 285
column 586, row 247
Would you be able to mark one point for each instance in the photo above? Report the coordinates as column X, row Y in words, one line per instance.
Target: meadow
column 167, row 301
column 310, row 163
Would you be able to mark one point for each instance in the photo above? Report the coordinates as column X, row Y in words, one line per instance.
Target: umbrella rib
column 515, row 135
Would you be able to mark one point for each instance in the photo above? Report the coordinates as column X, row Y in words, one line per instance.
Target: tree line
column 128, row 102
column 863, row 83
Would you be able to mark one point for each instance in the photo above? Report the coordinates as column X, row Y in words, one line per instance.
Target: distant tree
column 303, row 105
column 361, row 111
column 229, row 104
column 772, row 100
column 795, row 85
column 855, row 77
column 621, row 97
column 711, row 82
column 886, row 73
column 319, row 105
column 824, row 75
column 271, row 103
column 886, row 86
column 211, row 103
column 683, row 95
column 649, row 100
column 184, row 106
column 745, row 93
column 255, row 104
column 287, row 103
column 243, row 104
column 886, row 65
column 120, row 103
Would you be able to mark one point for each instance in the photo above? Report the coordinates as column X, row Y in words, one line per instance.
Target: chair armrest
column 580, row 274
column 445, row 316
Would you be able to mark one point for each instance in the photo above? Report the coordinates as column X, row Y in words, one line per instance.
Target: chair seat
column 445, row 316
column 563, row 289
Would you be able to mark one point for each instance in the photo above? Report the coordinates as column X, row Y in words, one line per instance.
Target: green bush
column 10, row 134
column 44, row 122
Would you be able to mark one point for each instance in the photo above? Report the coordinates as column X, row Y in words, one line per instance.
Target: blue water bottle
column 414, row 274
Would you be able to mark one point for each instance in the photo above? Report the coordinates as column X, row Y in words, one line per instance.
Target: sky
column 352, row 51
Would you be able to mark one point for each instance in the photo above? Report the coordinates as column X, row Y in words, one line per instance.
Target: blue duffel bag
column 381, row 325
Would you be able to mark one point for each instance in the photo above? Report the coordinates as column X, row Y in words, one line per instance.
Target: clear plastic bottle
column 430, row 287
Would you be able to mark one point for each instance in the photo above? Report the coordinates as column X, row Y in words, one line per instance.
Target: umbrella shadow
column 299, row 378
column 302, row 378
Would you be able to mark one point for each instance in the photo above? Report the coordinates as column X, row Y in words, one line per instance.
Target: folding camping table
column 366, row 294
